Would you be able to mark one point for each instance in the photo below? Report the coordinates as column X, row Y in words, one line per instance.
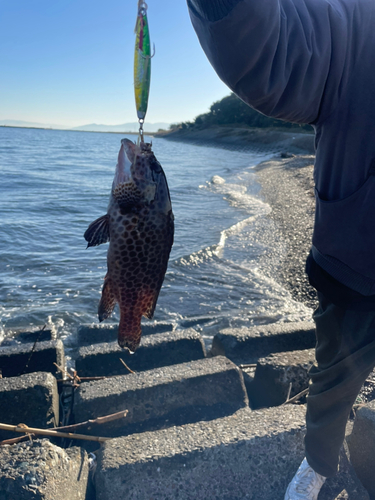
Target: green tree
column 232, row 111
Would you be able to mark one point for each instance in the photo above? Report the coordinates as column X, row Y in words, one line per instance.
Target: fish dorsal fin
column 97, row 232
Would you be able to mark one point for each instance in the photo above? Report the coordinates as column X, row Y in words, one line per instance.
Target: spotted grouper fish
column 139, row 227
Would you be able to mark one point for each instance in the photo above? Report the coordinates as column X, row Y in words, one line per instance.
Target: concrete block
column 247, row 345
column 250, row 455
column 171, row 395
column 34, row 334
column 161, row 349
column 275, row 373
column 27, row 358
column 362, row 446
column 94, row 333
column 39, row 470
column 30, row 399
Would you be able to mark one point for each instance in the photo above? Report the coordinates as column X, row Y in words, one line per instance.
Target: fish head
column 134, row 181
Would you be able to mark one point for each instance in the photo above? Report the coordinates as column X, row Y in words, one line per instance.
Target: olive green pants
column 345, row 355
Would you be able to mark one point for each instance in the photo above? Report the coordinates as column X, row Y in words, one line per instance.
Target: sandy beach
column 287, row 186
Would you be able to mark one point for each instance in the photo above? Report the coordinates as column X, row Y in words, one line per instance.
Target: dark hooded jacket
column 311, row 61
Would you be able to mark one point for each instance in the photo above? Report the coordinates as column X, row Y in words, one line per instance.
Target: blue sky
column 70, row 62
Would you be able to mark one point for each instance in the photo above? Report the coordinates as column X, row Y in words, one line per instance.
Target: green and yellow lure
column 142, row 63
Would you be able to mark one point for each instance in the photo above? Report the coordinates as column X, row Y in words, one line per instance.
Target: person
column 312, row 61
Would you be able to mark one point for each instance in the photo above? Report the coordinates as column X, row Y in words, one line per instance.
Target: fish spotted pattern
column 139, row 227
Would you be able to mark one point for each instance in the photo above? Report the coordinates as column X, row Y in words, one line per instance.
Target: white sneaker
column 305, row 485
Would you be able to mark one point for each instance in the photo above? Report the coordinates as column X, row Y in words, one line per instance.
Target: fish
column 139, row 226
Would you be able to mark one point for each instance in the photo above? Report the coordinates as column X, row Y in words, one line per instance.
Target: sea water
column 227, row 250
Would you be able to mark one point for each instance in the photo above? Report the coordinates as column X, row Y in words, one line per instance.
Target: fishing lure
column 142, row 64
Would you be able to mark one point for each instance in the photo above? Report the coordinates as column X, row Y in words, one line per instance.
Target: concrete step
column 94, row 333
column 30, row 399
column 247, row 345
column 31, row 357
column 27, row 335
column 275, row 373
column 161, row 349
column 248, row 455
column 39, row 470
column 362, row 446
column 188, row 392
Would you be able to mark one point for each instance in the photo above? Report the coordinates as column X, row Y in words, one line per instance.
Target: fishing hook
column 149, row 57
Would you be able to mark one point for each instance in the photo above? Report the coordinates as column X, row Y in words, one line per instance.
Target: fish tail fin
column 129, row 332
column 107, row 302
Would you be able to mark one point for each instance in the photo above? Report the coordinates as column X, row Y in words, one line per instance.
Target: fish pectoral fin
column 97, row 232
column 107, row 301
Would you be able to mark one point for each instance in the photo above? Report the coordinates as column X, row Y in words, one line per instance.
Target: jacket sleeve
column 289, row 59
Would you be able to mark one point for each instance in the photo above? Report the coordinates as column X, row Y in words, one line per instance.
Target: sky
column 70, row 62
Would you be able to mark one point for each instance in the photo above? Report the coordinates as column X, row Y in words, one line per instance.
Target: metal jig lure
column 142, row 65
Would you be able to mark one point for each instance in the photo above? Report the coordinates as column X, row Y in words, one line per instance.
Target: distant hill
column 92, row 127
column 124, row 127
column 21, row 123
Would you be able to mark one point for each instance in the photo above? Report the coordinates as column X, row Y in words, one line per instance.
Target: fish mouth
column 123, row 173
column 130, row 149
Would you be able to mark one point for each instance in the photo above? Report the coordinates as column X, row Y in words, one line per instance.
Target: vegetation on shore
column 232, row 112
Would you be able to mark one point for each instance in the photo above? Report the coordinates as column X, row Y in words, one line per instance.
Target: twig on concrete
column 296, row 397
column 77, row 378
column 289, row 391
column 50, row 432
column 16, row 440
column 63, row 371
column 86, row 379
column 96, row 421
column 126, row 366
column 74, row 378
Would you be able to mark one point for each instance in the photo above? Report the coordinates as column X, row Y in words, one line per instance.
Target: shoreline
column 287, row 185
column 243, row 139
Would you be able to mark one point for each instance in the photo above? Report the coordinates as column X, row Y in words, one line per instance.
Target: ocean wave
column 215, row 250
column 236, row 192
